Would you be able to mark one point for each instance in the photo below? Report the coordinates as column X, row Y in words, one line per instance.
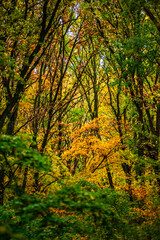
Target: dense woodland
column 80, row 119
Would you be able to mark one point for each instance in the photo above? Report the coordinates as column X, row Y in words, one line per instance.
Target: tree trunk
column 109, row 176
column 2, row 187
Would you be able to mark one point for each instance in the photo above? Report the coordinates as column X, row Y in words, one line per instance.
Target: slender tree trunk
column 127, row 171
column 109, row 176
column 59, row 135
column 2, row 187
column 12, row 120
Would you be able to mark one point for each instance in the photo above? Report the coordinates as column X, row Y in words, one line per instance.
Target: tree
column 134, row 42
column 26, row 31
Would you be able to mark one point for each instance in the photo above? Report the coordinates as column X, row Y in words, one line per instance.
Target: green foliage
column 15, row 155
column 15, row 150
column 38, row 35
column 75, row 211
column 76, row 114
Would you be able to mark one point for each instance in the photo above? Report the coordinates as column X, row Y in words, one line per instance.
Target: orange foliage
column 92, row 142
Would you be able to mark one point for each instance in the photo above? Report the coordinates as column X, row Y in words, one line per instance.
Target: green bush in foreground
column 73, row 212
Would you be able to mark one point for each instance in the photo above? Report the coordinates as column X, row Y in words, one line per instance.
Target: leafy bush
column 15, row 150
column 15, row 155
column 72, row 212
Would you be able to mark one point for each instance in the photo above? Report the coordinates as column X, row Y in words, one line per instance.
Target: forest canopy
column 79, row 119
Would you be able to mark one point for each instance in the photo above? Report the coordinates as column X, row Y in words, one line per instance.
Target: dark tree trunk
column 12, row 120
column 109, row 176
column 2, row 187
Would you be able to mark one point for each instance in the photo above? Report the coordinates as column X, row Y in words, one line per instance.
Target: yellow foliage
column 91, row 143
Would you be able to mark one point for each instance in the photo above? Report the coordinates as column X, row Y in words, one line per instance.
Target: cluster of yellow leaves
column 92, row 142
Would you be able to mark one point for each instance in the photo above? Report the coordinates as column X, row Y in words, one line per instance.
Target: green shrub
column 72, row 212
